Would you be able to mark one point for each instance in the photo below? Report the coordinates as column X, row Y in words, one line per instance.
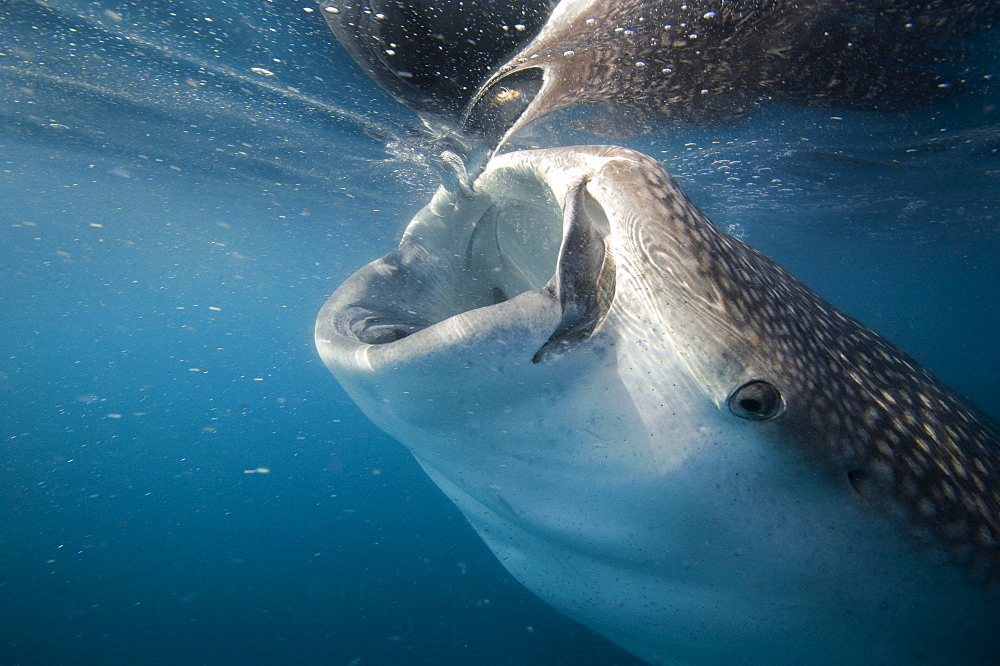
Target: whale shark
column 713, row 62
column 666, row 436
column 484, row 70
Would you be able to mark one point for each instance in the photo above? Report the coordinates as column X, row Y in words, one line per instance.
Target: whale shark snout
column 665, row 435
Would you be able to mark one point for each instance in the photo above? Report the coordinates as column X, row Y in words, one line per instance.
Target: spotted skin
column 712, row 62
column 854, row 403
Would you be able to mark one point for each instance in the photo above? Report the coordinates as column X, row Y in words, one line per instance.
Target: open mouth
column 520, row 233
column 496, row 109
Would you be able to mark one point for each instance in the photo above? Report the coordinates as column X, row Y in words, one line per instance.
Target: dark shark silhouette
column 492, row 67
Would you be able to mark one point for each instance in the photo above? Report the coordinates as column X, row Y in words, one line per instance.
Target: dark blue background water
column 182, row 480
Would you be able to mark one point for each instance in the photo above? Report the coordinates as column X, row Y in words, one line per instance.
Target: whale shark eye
column 756, row 400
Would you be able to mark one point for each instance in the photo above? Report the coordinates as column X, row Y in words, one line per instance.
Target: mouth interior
column 512, row 248
column 527, row 235
column 496, row 108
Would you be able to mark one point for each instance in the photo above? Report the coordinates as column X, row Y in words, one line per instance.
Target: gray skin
column 665, row 435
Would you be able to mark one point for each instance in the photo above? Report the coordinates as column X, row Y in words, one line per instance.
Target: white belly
column 687, row 540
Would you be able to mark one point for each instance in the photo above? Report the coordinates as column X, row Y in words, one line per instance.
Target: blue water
column 183, row 482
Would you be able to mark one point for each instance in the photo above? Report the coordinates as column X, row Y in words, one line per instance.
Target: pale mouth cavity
column 510, row 248
column 514, row 239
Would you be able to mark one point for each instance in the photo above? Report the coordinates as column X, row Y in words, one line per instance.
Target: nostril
column 860, row 481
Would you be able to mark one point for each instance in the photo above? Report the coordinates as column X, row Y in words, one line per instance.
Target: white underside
column 726, row 554
column 677, row 532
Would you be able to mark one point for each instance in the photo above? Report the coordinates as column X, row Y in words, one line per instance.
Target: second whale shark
column 486, row 69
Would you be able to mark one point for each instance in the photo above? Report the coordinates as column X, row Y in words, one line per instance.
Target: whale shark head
column 665, row 435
